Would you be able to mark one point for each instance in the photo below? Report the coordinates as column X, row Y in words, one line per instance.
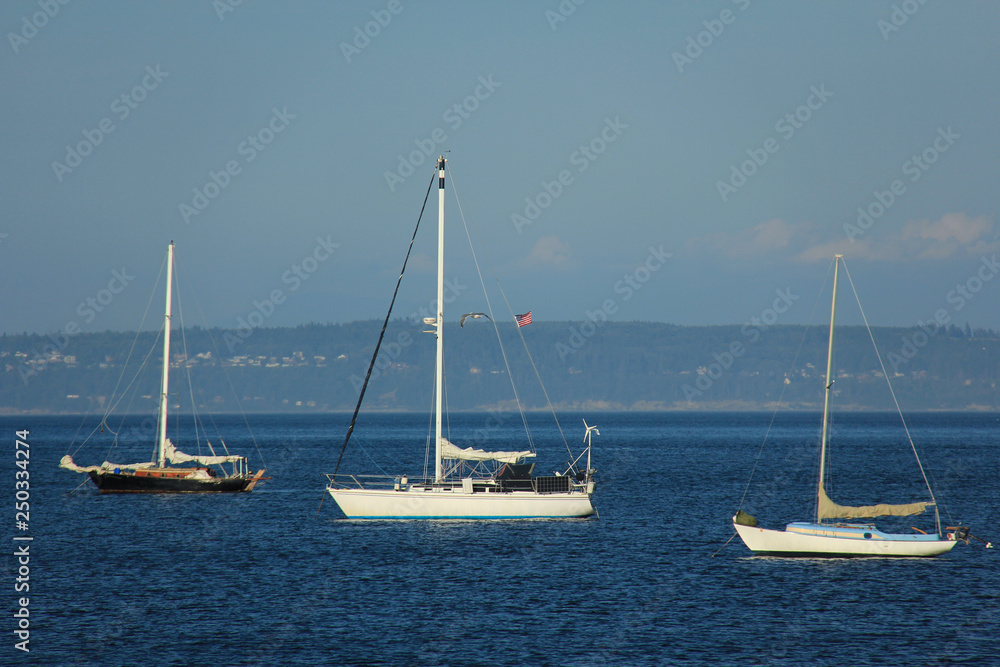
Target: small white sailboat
column 827, row 535
column 468, row 483
column 166, row 474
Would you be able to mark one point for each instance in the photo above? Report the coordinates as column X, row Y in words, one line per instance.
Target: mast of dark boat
column 826, row 393
column 162, row 433
column 439, row 363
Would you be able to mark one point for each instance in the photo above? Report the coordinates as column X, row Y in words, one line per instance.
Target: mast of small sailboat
column 829, row 384
column 162, row 435
column 439, row 363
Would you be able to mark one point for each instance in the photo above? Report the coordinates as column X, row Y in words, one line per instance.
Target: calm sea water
column 274, row 578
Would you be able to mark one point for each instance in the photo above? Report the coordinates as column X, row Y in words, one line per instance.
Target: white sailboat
column 826, row 536
column 165, row 474
column 492, row 485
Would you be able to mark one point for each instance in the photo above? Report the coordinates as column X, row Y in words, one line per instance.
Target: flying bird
column 474, row 316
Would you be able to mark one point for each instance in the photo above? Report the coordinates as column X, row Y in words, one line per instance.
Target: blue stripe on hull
column 461, row 518
column 824, row 554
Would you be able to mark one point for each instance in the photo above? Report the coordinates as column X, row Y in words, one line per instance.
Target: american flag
column 524, row 320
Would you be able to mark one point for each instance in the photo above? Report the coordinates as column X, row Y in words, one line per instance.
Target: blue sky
column 679, row 162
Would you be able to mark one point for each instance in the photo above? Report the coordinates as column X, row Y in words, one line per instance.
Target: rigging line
column 724, row 545
column 489, row 305
column 541, row 384
column 187, row 358
column 229, row 381
column 135, row 377
column 370, row 457
column 520, row 335
column 444, row 393
column 135, row 341
column 80, row 486
column 142, row 367
column 781, row 396
column 113, row 404
column 429, row 439
column 90, row 410
column 199, row 422
column 215, row 427
column 371, row 364
column 140, row 371
column 196, row 418
column 899, row 410
column 138, row 331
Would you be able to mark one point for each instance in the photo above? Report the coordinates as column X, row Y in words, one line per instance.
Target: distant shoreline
column 619, row 366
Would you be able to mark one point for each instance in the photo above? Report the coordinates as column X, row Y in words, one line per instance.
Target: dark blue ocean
column 275, row 578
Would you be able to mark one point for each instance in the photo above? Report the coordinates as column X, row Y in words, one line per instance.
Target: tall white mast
column 162, row 436
column 829, row 384
column 439, row 365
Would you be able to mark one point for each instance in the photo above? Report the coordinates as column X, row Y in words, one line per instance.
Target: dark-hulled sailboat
column 167, row 474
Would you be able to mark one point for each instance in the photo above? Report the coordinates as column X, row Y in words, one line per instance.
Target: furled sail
column 175, row 455
column 831, row 510
column 451, row 451
column 67, row 463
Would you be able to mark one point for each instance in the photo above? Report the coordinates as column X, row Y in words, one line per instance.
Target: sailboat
column 827, row 535
column 468, row 483
column 157, row 476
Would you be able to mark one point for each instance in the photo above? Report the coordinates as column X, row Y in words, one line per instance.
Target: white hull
column 802, row 539
column 418, row 503
column 502, row 489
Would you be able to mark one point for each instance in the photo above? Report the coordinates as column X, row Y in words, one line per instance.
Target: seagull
column 474, row 316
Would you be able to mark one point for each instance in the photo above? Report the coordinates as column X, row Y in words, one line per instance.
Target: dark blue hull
column 110, row 482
